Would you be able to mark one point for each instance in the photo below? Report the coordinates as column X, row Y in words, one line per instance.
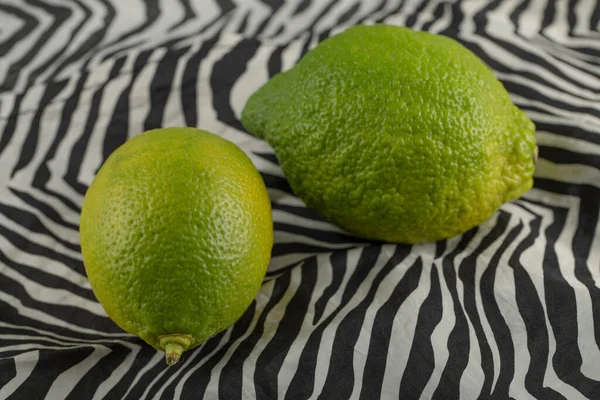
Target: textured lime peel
column 174, row 345
column 176, row 236
column 395, row 134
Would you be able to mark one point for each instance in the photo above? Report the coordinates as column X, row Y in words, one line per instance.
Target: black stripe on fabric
column 306, row 46
column 176, row 40
column 339, row 266
column 118, row 127
column 367, row 259
column 242, row 28
column 59, row 16
column 583, row 242
column 456, row 19
column 29, row 341
column 42, row 175
column 588, row 201
column 412, row 18
column 302, row 384
column 532, row 311
column 523, row 54
column 380, row 7
column 440, row 248
column 345, row 17
column 569, row 57
column 282, row 249
column 189, row 94
column 571, row 131
column 480, row 17
column 340, row 375
column 40, row 342
column 275, row 5
column 561, row 303
column 115, row 71
column 45, row 278
column 438, row 12
column 141, row 360
column 7, row 366
column 276, row 182
column 496, row 321
column 517, row 12
column 78, row 150
column 50, row 365
column 421, row 361
column 315, row 20
column 270, row 360
column 317, row 234
column 44, row 208
column 376, row 10
column 31, row 141
column 28, row 26
column 225, row 74
column 571, row 20
column 531, row 93
column 92, row 41
column 121, row 51
column 279, row 30
column 467, row 274
column 304, row 4
column 276, row 273
column 91, row 381
column 188, row 14
column 152, row 14
column 514, row 17
column 269, row 157
column 274, row 64
column 459, row 343
column 161, row 86
column 563, row 156
column 303, row 212
column 226, row 6
column 595, row 17
column 74, row 315
column 9, row 128
column 381, row 336
column 29, row 247
column 23, row 331
column 549, row 13
column 195, row 385
column 17, row 317
column 580, row 190
column 324, row 34
column 232, row 376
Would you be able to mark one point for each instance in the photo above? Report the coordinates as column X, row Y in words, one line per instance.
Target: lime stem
column 173, row 352
column 174, row 345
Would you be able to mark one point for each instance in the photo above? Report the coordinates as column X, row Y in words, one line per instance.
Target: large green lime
column 396, row 135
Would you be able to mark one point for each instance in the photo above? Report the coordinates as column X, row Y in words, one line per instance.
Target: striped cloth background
column 509, row 310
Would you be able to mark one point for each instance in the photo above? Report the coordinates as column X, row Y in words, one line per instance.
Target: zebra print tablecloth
column 509, row 310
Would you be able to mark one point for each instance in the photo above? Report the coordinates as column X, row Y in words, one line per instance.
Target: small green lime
column 176, row 235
